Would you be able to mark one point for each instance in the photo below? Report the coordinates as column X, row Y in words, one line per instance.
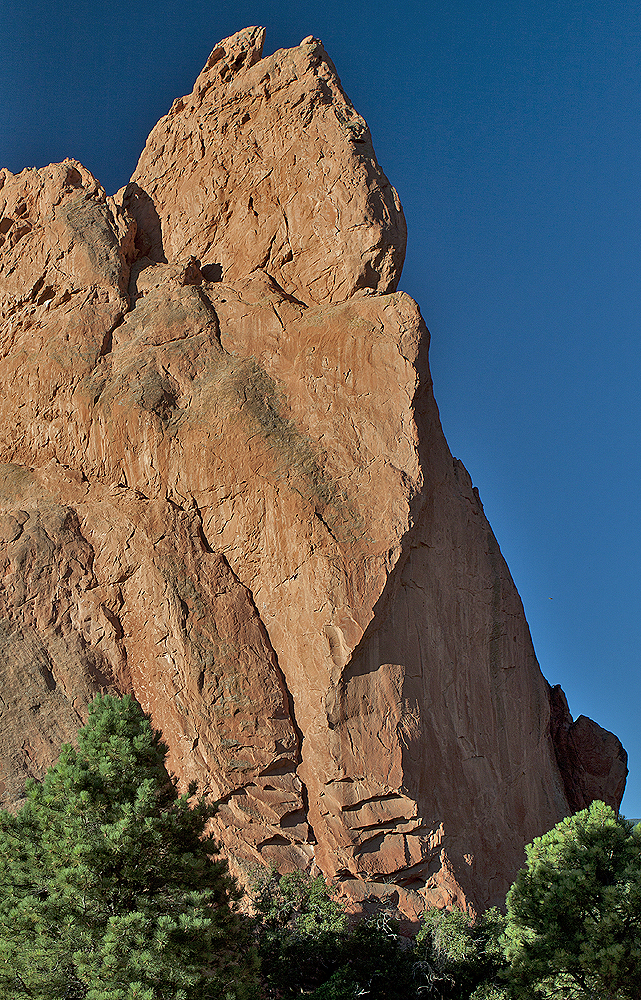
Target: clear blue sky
column 513, row 138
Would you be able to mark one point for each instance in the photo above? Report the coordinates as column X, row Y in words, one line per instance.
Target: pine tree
column 109, row 889
column 574, row 913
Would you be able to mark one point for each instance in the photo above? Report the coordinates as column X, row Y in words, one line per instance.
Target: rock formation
column 225, row 489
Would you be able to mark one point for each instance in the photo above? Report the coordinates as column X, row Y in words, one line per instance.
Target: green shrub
column 460, row 958
column 300, row 931
column 379, row 960
column 306, row 947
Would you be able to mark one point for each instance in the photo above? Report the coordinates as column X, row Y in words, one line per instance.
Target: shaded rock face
column 224, row 487
column 592, row 761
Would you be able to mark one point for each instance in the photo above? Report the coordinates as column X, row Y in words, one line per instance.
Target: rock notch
column 225, row 488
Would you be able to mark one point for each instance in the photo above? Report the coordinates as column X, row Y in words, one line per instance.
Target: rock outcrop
column 225, row 489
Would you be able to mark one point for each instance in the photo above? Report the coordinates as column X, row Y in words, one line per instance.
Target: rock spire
column 224, row 488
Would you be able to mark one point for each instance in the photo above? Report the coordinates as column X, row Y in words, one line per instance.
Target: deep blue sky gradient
column 513, row 138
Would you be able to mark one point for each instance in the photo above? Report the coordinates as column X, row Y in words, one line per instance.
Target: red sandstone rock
column 234, row 499
column 593, row 763
column 267, row 164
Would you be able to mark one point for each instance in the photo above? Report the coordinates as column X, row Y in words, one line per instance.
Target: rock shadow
column 380, row 641
column 212, row 272
column 148, row 240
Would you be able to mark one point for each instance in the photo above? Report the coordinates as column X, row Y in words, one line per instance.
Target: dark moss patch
column 15, row 481
column 264, row 408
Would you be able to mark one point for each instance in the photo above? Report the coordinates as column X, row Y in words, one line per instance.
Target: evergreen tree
column 109, row 889
column 574, row 913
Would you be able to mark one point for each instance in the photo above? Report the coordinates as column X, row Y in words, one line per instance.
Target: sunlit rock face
column 225, row 488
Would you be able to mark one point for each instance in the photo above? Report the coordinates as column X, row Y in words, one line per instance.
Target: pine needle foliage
column 109, row 889
column 574, row 913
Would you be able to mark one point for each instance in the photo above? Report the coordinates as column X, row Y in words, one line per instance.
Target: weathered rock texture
column 267, row 165
column 226, row 489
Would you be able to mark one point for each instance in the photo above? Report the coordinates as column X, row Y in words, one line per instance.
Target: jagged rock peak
column 242, row 49
column 266, row 164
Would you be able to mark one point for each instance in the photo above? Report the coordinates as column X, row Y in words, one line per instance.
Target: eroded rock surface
column 225, row 488
column 277, row 171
